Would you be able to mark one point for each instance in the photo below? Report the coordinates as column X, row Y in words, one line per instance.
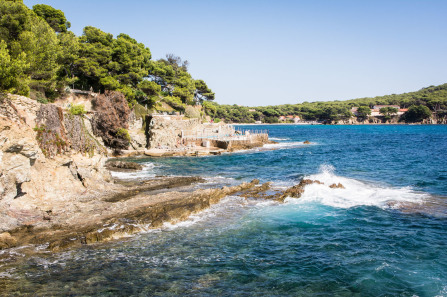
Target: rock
column 123, row 165
column 337, row 186
column 154, row 153
column 18, row 152
column 304, row 182
column 297, row 190
column 7, row 241
column 306, row 142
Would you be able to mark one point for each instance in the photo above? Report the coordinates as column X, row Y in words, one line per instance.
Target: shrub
column 77, row 109
column 112, row 114
column 123, row 133
column 192, row 113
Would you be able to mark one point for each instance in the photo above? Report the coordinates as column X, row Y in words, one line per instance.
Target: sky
column 260, row 52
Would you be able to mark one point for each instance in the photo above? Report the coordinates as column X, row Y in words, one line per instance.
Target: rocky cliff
column 46, row 156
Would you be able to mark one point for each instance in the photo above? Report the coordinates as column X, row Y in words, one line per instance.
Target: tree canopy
column 44, row 57
column 428, row 100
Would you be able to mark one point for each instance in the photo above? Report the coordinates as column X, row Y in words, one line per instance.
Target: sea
column 384, row 234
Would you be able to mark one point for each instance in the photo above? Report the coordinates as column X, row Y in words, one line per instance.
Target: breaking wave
column 355, row 192
column 286, row 145
column 146, row 172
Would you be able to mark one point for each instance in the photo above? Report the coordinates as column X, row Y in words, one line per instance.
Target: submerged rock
column 124, row 165
column 337, row 186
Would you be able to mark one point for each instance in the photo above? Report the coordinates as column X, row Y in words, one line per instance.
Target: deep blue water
column 384, row 235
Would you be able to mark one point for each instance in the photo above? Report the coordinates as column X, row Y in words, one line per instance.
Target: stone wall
column 164, row 132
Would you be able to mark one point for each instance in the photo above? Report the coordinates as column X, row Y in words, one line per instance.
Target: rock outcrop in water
column 266, row 192
column 107, row 217
column 113, row 165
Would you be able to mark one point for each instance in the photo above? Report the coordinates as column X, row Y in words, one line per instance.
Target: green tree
column 130, row 60
column 26, row 33
column 68, row 55
column 388, row 112
column 150, row 88
column 95, row 55
column 54, row 17
column 14, row 19
column 202, row 91
column 416, row 113
column 363, row 112
column 12, row 77
column 42, row 51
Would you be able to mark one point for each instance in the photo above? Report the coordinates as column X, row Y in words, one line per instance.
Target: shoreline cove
column 327, row 214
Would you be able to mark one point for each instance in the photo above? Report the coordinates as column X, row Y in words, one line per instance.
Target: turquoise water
column 384, row 235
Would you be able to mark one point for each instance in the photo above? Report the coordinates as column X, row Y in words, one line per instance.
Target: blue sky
column 275, row 52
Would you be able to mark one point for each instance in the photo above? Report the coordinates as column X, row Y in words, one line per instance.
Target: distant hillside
column 433, row 97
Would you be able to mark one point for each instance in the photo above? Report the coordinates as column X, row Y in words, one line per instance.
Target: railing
column 227, row 135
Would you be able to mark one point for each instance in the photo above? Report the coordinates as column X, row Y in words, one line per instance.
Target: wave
column 146, row 172
column 286, row 145
column 226, row 207
column 355, row 192
column 278, row 138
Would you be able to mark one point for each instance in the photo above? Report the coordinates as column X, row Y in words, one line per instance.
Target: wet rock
column 257, row 192
column 162, row 183
column 306, row 142
column 297, row 190
column 124, row 165
column 337, row 186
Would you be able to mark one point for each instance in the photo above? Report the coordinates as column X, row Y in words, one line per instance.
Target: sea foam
column 355, row 192
column 286, row 145
column 146, row 172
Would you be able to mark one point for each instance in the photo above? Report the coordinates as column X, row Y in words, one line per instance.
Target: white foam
column 286, row 145
column 355, row 193
column 226, row 207
column 278, row 139
column 147, row 171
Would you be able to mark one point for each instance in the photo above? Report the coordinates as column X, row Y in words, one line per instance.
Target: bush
column 123, row 133
column 174, row 102
column 192, row 113
column 112, row 115
column 77, row 109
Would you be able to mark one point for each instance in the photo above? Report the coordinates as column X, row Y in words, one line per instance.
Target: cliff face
column 45, row 157
column 168, row 133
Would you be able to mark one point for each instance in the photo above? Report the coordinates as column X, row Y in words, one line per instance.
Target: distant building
column 378, row 107
column 402, row 111
column 289, row 118
column 354, row 111
column 375, row 112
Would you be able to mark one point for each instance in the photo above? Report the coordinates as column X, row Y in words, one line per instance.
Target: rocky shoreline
column 56, row 189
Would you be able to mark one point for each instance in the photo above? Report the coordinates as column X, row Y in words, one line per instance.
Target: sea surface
column 385, row 234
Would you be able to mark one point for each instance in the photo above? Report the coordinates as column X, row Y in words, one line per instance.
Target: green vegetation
column 388, row 112
column 363, row 112
column 77, row 109
column 432, row 99
column 192, row 113
column 38, row 55
column 121, row 132
column 417, row 113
